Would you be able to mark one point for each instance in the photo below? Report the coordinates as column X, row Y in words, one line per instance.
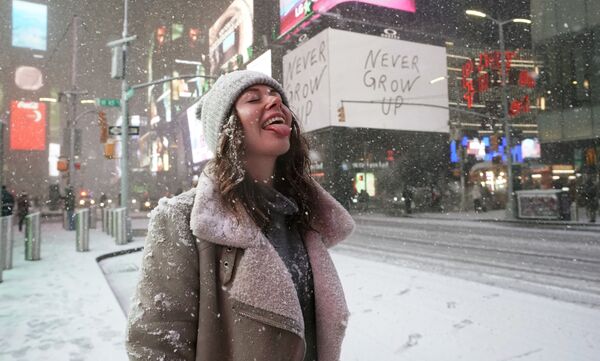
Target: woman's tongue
column 281, row 129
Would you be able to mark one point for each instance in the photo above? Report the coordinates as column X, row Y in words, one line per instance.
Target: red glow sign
column 27, row 125
column 293, row 12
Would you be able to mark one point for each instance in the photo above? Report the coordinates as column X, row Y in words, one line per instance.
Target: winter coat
column 212, row 287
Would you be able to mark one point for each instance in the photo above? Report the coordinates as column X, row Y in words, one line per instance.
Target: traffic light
column 103, row 126
column 341, row 114
column 109, row 150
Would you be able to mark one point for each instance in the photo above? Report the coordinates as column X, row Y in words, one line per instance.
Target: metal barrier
column 113, row 222
column 33, row 237
column 82, row 229
column 6, row 242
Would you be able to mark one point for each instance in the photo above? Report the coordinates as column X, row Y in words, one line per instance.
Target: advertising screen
column 262, row 64
column 231, row 36
column 292, row 12
column 200, row 151
column 27, row 125
column 29, row 25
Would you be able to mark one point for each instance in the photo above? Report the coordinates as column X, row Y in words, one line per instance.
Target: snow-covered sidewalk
column 61, row 307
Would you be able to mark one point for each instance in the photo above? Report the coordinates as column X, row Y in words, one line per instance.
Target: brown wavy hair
column 291, row 177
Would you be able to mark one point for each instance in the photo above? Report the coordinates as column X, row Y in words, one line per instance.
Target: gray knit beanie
column 216, row 105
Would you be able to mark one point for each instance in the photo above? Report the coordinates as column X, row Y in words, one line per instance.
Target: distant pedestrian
column 8, row 202
column 69, row 204
column 22, row 208
column 478, row 200
column 590, row 195
column 407, row 194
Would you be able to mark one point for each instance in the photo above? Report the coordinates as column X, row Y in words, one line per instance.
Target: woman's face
column 266, row 121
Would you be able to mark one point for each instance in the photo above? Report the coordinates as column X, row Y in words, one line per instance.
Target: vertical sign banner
column 306, row 82
column 29, row 25
column 27, row 125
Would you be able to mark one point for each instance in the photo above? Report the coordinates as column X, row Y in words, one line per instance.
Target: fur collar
column 212, row 222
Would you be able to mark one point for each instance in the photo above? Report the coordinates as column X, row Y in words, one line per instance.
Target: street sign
column 107, row 102
column 117, row 130
column 129, row 93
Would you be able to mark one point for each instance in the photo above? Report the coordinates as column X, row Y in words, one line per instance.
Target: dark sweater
column 289, row 245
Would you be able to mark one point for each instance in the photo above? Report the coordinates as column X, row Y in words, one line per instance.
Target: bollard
column 33, row 237
column 113, row 222
column 93, row 217
column 6, row 238
column 5, row 251
column 82, row 229
column 65, row 221
column 120, row 227
column 105, row 220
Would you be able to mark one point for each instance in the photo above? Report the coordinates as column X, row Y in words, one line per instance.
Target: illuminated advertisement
column 27, row 125
column 200, row 150
column 29, row 78
column 230, row 37
column 53, row 155
column 262, row 64
column 29, row 25
column 293, row 12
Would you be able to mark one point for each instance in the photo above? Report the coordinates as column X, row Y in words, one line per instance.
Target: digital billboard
column 27, row 125
column 293, row 12
column 231, row 36
column 29, row 25
column 200, row 150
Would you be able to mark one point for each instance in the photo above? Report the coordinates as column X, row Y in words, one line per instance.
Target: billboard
column 29, row 25
column 381, row 83
column 293, row 12
column 262, row 64
column 231, row 36
column 27, row 125
column 200, row 150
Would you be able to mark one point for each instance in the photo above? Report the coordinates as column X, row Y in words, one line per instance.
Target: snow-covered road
column 563, row 264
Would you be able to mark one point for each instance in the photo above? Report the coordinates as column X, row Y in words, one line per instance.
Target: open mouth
column 275, row 120
column 278, row 126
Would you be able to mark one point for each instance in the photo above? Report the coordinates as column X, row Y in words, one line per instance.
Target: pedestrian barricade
column 6, row 240
column 113, row 222
column 82, row 230
column 33, row 237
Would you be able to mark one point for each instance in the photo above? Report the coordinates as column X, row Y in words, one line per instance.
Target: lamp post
column 507, row 150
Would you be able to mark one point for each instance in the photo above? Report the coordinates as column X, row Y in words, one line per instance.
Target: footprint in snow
column 462, row 324
column 493, row 295
column 403, row 292
column 451, row 304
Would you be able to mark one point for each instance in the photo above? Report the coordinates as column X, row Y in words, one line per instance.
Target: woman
column 238, row 268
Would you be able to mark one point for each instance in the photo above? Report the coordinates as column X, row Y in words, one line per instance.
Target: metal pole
column 462, row 171
column 507, row 149
column 125, row 122
column 73, row 99
column 2, row 152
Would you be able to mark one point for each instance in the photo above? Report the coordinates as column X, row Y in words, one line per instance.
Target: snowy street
column 417, row 289
column 553, row 262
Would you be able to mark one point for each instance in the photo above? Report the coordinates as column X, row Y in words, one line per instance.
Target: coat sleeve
column 163, row 318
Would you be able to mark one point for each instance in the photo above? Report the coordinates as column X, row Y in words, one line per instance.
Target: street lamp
column 507, row 150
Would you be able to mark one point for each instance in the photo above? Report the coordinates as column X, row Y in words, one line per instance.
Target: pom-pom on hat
column 216, row 105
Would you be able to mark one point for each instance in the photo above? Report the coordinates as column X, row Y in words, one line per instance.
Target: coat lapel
column 263, row 284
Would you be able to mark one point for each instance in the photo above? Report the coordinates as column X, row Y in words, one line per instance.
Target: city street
column 557, row 263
